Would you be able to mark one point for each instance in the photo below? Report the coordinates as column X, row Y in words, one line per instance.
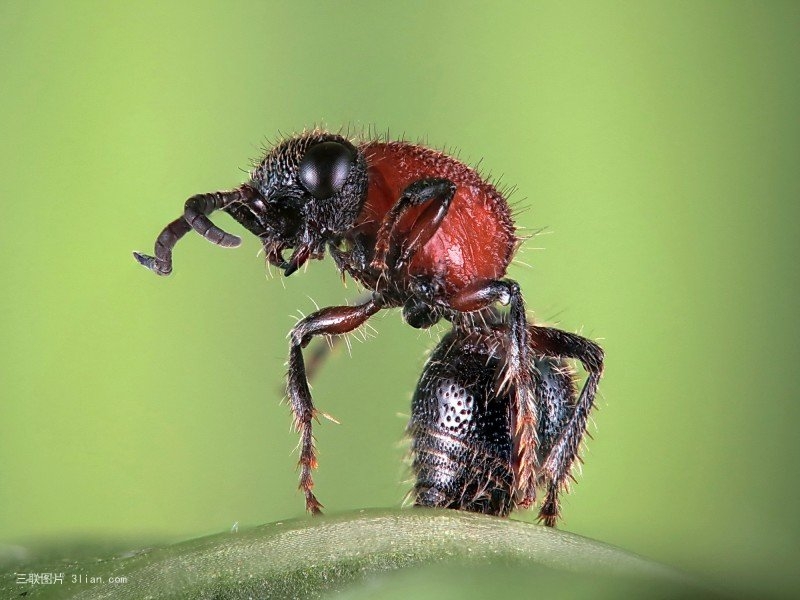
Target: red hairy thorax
column 476, row 240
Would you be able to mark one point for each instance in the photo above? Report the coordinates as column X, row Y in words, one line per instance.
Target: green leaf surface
column 408, row 553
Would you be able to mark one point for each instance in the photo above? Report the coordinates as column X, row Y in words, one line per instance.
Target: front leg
column 436, row 191
column 334, row 320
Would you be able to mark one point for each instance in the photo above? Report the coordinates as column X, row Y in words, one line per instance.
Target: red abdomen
column 476, row 239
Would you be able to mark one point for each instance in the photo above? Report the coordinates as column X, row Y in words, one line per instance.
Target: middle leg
column 516, row 377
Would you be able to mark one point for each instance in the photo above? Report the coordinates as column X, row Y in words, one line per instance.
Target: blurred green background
column 657, row 143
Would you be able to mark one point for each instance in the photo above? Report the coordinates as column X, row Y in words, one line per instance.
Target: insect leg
column 556, row 394
column 560, row 457
column 328, row 321
column 438, row 192
column 516, row 377
column 317, row 356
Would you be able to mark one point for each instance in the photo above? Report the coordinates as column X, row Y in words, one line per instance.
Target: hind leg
column 566, row 428
column 555, row 393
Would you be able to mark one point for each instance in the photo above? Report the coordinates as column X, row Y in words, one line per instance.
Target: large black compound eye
column 325, row 167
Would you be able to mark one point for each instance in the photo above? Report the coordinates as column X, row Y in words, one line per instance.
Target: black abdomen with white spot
column 460, row 431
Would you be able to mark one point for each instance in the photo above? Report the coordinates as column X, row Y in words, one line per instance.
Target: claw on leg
column 307, row 462
column 551, row 509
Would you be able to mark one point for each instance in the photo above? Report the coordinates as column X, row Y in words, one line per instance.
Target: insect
column 425, row 233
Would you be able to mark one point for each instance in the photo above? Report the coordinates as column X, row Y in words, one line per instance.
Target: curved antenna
column 196, row 209
column 194, row 217
column 161, row 263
